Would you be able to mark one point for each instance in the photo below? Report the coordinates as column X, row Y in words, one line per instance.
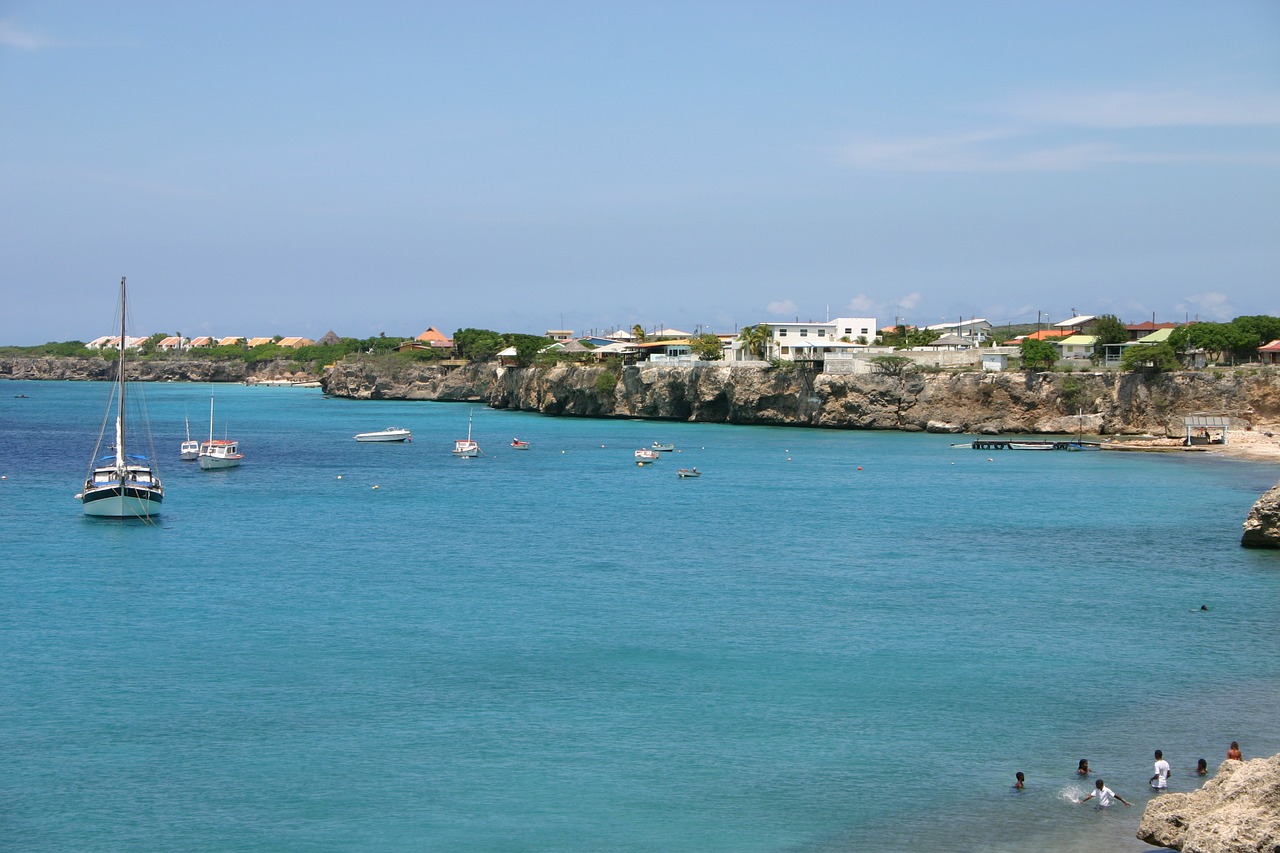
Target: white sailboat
column 220, row 453
column 190, row 448
column 465, row 447
column 121, row 484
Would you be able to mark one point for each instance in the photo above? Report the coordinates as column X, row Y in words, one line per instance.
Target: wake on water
column 1073, row 793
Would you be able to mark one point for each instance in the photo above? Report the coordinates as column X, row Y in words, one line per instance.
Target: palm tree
column 637, row 332
column 755, row 339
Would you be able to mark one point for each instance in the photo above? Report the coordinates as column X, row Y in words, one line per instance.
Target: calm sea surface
column 832, row 641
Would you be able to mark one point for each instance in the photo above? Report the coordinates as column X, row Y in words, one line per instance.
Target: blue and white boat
column 121, row 484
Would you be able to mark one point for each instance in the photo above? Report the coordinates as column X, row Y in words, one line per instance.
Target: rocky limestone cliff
column 150, row 370
column 1262, row 526
column 1237, row 811
column 974, row 402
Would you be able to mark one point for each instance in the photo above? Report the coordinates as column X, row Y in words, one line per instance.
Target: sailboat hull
column 117, row 501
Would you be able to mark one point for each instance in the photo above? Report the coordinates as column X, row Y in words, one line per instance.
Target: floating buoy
column 339, row 476
column 859, row 467
column 375, row 487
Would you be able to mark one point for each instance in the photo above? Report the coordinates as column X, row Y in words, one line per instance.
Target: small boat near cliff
column 121, row 484
column 688, row 473
column 466, row 448
column 662, row 448
column 645, row 456
column 388, row 434
column 190, row 451
column 220, row 453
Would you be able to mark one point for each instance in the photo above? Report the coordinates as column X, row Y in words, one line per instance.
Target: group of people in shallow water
column 1159, row 779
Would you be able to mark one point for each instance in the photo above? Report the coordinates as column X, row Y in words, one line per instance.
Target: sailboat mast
column 120, row 463
column 211, row 417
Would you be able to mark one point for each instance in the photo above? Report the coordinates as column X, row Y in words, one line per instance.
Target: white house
column 975, row 330
column 791, row 341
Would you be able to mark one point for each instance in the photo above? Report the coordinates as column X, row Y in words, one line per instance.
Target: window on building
column 804, row 333
column 782, row 333
column 822, row 333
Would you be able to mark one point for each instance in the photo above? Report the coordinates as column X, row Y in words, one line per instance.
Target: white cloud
column 782, row 308
column 11, row 36
column 862, row 306
column 1208, row 306
column 1131, row 108
column 910, row 301
column 980, row 151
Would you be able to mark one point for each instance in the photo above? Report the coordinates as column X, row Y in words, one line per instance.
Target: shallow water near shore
column 832, row 641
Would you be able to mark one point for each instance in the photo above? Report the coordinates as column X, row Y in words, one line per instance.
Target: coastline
column 1259, row 443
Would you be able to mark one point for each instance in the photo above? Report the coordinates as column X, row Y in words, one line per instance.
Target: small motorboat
column 517, row 444
column 645, row 456
column 688, row 473
column 388, row 434
column 662, row 448
column 1030, row 445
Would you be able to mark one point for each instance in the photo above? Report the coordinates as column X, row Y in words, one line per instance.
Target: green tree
column 637, row 332
column 755, row 339
column 707, row 347
column 478, row 344
column 527, row 346
column 152, row 343
column 1037, row 354
column 1153, row 358
column 893, row 365
column 1107, row 329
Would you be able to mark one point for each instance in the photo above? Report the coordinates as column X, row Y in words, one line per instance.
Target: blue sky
column 261, row 168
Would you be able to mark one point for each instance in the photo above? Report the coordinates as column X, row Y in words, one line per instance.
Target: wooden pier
column 1033, row 444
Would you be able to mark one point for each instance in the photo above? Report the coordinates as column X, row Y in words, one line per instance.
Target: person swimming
column 1083, row 769
column 1202, row 767
column 1020, row 779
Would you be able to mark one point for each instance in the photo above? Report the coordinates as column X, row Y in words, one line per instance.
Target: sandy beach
column 1261, row 443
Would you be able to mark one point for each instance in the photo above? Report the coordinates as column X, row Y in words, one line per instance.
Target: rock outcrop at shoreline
column 151, row 370
column 1237, row 811
column 974, row 402
column 1262, row 526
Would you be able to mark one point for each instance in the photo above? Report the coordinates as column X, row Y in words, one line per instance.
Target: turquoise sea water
column 832, row 641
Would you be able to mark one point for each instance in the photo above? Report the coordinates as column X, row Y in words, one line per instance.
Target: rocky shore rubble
column 1237, row 811
column 1262, row 526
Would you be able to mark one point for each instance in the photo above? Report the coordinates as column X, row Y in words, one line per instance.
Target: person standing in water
column 1019, row 780
column 1160, row 781
column 1233, row 754
column 1202, row 767
column 1083, row 768
column 1104, row 795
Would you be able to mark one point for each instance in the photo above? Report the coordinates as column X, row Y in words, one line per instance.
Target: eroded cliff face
column 1262, row 526
column 975, row 402
column 1237, row 811
column 157, row 370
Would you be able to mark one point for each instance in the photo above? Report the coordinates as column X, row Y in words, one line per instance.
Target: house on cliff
column 811, row 341
column 1270, row 353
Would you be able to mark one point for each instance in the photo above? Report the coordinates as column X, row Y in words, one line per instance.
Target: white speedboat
column 662, row 448
column 217, row 454
column 1030, row 445
column 645, row 456
column 121, row 484
column 388, row 434
column 466, row 448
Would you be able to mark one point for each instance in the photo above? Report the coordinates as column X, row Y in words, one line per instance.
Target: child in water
column 1083, row 769
column 1104, row 795
column 1020, row 779
column 1202, row 767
